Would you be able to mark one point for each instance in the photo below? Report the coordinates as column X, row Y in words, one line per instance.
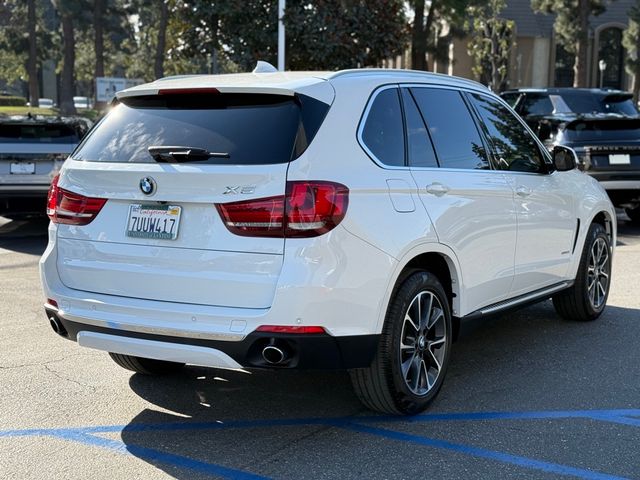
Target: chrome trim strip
column 170, row 332
column 525, row 298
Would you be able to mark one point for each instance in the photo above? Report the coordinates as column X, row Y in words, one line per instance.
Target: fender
column 449, row 256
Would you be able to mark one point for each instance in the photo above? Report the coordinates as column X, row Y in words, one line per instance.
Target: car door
column 545, row 209
column 470, row 204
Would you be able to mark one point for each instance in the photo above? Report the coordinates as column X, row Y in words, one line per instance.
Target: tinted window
column 453, row 131
column 251, row 128
column 510, row 97
column 537, row 104
column 515, row 149
column 588, row 102
column 34, row 133
column 383, row 131
column 623, row 129
column 421, row 153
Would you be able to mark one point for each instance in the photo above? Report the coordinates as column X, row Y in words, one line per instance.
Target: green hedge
column 12, row 101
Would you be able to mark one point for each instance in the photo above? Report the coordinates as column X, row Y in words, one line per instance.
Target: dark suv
column 602, row 126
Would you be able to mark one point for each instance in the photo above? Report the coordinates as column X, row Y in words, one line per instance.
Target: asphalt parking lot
column 527, row 396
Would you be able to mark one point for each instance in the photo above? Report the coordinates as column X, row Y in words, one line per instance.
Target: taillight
column 308, row 209
column 71, row 208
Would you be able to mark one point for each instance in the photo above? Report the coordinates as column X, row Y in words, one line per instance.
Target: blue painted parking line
column 481, row 452
column 150, row 454
column 365, row 424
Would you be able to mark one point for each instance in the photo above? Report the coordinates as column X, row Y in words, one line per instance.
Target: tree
column 161, row 43
column 491, row 43
column 631, row 43
column 32, row 62
column 24, row 42
column 572, row 29
column 332, row 34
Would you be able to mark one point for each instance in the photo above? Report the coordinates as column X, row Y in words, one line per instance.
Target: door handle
column 523, row 191
column 437, row 189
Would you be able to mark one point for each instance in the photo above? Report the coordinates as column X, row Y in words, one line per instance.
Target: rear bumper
column 23, row 198
column 302, row 351
column 622, row 186
column 315, row 288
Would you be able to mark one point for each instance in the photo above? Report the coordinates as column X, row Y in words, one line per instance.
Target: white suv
column 355, row 220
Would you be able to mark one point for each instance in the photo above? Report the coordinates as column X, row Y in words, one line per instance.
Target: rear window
column 28, row 133
column 252, row 129
column 578, row 102
column 609, row 130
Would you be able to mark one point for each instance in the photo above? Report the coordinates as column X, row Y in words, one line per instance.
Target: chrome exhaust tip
column 273, row 355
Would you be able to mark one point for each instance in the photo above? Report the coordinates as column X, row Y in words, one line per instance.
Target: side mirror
column 564, row 158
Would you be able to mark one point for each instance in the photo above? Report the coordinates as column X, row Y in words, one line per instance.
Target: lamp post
column 281, row 5
column 602, row 65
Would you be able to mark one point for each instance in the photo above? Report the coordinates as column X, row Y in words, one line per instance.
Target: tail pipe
column 274, row 355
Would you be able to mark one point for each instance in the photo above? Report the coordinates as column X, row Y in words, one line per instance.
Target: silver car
column 32, row 150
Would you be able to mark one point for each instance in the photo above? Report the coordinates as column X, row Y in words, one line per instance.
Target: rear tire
column 413, row 353
column 586, row 299
column 146, row 366
column 633, row 214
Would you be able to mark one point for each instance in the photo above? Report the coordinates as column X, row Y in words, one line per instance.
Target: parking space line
column 158, row 456
column 90, row 436
column 480, row 452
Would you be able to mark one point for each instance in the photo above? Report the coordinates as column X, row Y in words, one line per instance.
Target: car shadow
column 528, row 360
column 24, row 236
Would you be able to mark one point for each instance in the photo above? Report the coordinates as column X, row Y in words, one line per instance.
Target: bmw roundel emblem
column 148, row 185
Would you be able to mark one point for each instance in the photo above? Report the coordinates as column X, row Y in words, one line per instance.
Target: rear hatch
column 608, row 143
column 163, row 162
column 30, row 149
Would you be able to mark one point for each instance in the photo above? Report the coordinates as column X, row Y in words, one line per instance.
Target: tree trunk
column 418, row 38
column 158, row 67
column 582, row 45
column 32, row 63
column 98, row 45
column 427, row 29
column 69, row 48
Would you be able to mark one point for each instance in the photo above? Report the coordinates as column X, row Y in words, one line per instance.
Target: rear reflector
column 290, row 329
column 308, row 209
column 52, row 302
column 71, row 208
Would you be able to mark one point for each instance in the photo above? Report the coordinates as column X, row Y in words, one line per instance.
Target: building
column 539, row 61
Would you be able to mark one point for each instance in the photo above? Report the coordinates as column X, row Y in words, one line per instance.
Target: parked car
column 82, row 103
column 32, row 150
column 356, row 220
column 45, row 103
column 602, row 126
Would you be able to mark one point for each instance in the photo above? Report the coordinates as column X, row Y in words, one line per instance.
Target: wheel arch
column 440, row 261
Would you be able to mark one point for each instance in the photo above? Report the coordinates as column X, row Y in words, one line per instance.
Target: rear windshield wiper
column 175, row 154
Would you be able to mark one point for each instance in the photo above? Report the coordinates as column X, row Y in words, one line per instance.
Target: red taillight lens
column 290, row 329
column 308, row 209
column 71, row 208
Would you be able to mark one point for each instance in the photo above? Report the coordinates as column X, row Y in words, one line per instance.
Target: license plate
column 620, row 159
column 22, row 168
column 153, row 221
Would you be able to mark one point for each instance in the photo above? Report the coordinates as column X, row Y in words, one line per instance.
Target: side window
column 421, row 153
column 515, row 149
column 383, row 132
column 452, row 129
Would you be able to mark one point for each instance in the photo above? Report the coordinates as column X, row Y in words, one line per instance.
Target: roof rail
column 402, row 72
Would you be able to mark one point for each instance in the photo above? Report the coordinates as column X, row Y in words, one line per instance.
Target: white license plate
column 153, row 221
column 620, row 159
column 22, row 168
